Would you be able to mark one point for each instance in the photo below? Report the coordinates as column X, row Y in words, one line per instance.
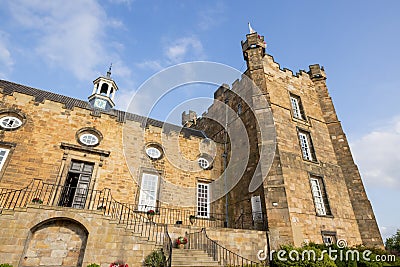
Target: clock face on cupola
column 103, row 93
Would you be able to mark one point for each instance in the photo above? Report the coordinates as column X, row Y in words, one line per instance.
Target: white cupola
column 103, row 93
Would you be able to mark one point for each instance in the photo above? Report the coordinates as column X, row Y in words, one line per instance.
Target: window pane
column 3, row 156
column 202, row 200
column 148, row 192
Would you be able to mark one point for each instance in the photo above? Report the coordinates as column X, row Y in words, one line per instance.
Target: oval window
column 203, row 163
column 9, row 122
column 153, row 152
column 89, row 139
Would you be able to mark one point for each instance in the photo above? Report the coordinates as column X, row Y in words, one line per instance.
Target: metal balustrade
column 224, row 256
column 39, row 192
column 136, row 218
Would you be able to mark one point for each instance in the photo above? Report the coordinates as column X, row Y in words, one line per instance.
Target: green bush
column 155, row 259
column 93, row 265
column 328, row 262
column 324, row 262
column 5, row 265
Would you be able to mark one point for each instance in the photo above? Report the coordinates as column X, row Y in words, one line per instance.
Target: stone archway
column 55, row 242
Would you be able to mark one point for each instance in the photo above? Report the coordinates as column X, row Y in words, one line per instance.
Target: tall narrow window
column 3, row 156
column 77, row 183
column 297, row 107
column 320, row 197
column 307, row 148
column 148, row 192
column 203, row 200
column 256, row 208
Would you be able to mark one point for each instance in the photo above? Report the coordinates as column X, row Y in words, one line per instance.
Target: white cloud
column 124, row 2
column 155, row 65
column 211, row 16
column 378, row 157
column 68, row 34
column 181, row 49
column 6, row 60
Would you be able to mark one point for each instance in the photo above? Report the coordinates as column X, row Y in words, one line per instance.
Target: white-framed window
column 3, row 156
column 203, row 200
column 306, row 146
column 148, row 192
column 297, row 107
column 320, row 197
column 153, row 152
column 256, row 208
column 329, row 238
column 10, row 122
column 89, row 139
column 203, row 163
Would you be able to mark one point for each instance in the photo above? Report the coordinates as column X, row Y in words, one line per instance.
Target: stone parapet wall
column 48, row 236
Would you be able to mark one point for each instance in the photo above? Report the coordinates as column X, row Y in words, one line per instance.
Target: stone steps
column 191, row 257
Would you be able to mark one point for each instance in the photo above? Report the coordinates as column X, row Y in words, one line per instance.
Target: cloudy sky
column 62, row 46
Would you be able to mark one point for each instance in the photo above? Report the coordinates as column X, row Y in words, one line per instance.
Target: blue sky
column 62, row 46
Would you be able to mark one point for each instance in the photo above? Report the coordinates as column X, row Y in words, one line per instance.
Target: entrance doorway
column 76, row 186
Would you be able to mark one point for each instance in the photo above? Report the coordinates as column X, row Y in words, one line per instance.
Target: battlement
column 253, row 40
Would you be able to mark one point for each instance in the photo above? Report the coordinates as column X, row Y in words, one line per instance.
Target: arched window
column 104, row 89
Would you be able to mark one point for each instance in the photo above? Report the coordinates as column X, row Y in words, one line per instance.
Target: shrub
column 5, row 265
column 155, row 259
column 93, row 265
column 328, row 262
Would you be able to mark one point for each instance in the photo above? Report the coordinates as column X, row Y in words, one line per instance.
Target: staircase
column 191, row 257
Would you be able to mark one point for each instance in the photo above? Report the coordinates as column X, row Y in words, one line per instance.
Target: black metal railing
column 251, row 220
column 171, row 215
column 167, row 248
column 224, row 256
column 39, row 192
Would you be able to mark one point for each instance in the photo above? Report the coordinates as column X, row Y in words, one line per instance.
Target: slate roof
column 9, row 88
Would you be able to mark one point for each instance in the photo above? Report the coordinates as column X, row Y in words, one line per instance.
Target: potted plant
column 119, row 263
column 37, row 200
column 192, row 219
column 181, row 241
column 150, row 214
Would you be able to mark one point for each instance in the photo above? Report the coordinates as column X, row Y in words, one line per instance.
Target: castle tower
column 103, row 93
column 365, row 217
column 313, row 191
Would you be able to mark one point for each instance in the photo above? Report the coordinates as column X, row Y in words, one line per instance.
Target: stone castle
column 82, row 182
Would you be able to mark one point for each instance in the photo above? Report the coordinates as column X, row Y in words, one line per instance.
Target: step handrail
column 201, row 241
column 42, row 193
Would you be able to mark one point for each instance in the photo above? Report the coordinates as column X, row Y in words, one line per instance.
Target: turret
column 103, row 93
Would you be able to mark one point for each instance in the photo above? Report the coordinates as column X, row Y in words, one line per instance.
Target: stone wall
column 46, row 144
column 48, row 236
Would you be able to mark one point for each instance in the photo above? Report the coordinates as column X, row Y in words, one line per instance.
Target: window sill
column 325, row 216
column 311, row 161
column 301, row 121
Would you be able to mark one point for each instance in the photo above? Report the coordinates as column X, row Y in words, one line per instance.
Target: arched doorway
column 55, row 242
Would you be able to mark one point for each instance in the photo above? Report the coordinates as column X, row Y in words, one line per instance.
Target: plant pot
column 192, row 220
column 181, row 246
column 150, row 217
